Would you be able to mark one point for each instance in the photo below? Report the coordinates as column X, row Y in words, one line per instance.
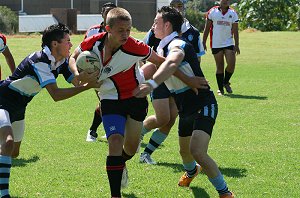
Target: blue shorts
column 161, row 92
column 115, row 112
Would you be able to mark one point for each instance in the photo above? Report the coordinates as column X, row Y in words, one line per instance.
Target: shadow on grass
column 238, row 96
column 131, row 195
column 234, row 172
column 21, row 162
column 229, row 172
column 176, row 167
column 199, row 192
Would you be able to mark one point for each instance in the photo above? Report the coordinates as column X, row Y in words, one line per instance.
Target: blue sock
column 5, row 165
column 156, row 139
column 220, row 184
column 190, row 168
column 144, row 131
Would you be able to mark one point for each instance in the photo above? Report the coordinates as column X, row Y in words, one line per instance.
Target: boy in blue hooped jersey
column 197, row 112
column 37, row 71
column 162, row 101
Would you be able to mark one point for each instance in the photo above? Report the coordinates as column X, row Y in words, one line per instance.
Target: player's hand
column 142, row 90
column 237, row 49
column 198, row 82
column 204, row 46
column 85, row 77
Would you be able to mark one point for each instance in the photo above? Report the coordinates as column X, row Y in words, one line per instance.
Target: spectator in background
column 222, row 23
column 4, row 49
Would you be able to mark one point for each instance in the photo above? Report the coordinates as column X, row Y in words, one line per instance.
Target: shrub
column 8, row 20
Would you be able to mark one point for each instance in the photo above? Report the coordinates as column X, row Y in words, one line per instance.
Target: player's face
column 178, row 6
column 159, row 26
column 225, row 3
column 63, row 47
column 120, row 31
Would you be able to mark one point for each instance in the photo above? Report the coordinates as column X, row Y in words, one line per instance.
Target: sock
column 220, row 81
column 227, row 77
column 190, row 168
column 114, row 169
column 156, row 139
column 126, row 156
column 5, row 165
column 220, row 184
column 144, row 131
column 97, row 120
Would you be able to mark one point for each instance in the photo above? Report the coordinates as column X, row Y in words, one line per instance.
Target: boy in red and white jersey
column 222, row 24
column 7, row 54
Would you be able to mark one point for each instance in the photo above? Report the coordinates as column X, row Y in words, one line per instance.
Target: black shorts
column 136, row 108
column 161, row 92
column 203, row 120
column 16, row 113
column 217, row 50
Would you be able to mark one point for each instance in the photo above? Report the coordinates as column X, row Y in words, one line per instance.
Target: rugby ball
column 88, row 61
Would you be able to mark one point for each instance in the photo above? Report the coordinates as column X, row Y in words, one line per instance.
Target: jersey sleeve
column 44, row 74
column 66, row 72
column 235, row 17
column 88, row 43
column 137, row 48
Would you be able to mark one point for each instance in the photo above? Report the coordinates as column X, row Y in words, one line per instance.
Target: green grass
column 255, row 140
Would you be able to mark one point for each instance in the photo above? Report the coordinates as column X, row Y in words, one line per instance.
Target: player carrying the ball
column 121, row 111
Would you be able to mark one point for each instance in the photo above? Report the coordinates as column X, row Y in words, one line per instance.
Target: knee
column 162, row 121
column 198, row 154
column 15, row 154
column 7, row 147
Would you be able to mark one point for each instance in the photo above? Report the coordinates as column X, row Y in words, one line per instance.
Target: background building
column 142, row 11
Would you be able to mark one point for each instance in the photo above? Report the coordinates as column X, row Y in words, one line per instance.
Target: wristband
column 152, row 83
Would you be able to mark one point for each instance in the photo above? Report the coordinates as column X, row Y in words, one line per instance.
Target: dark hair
column 54, row 32
column 171, row 15
column 106, row 6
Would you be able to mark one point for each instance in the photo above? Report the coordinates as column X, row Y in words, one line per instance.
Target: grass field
column 255, row 140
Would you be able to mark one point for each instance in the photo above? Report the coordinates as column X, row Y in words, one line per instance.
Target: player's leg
column 160, row 134
column 114, row 125
column 231, row 60
column 185, row 129
column 199, row 145
column 219, row 59
column 6, row 148
column 18, row 131
column 97, row 120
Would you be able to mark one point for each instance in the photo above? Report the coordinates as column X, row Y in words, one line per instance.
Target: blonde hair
column 116, row 14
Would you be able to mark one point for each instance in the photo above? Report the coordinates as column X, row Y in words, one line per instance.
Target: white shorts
column 18, row 127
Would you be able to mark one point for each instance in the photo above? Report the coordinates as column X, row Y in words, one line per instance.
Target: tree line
column 266, row 15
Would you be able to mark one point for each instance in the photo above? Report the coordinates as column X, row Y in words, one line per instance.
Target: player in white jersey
column 222, row 24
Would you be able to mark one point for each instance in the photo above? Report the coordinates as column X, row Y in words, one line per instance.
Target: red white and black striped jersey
column 120, row 73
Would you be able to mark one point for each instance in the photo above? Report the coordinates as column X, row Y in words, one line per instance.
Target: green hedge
column 8, row 20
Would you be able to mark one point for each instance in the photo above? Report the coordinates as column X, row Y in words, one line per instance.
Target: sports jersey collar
column 164, row 42
column 185, row 26
column 47, row 51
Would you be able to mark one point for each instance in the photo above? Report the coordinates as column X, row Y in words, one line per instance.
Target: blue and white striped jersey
column 35, row 72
